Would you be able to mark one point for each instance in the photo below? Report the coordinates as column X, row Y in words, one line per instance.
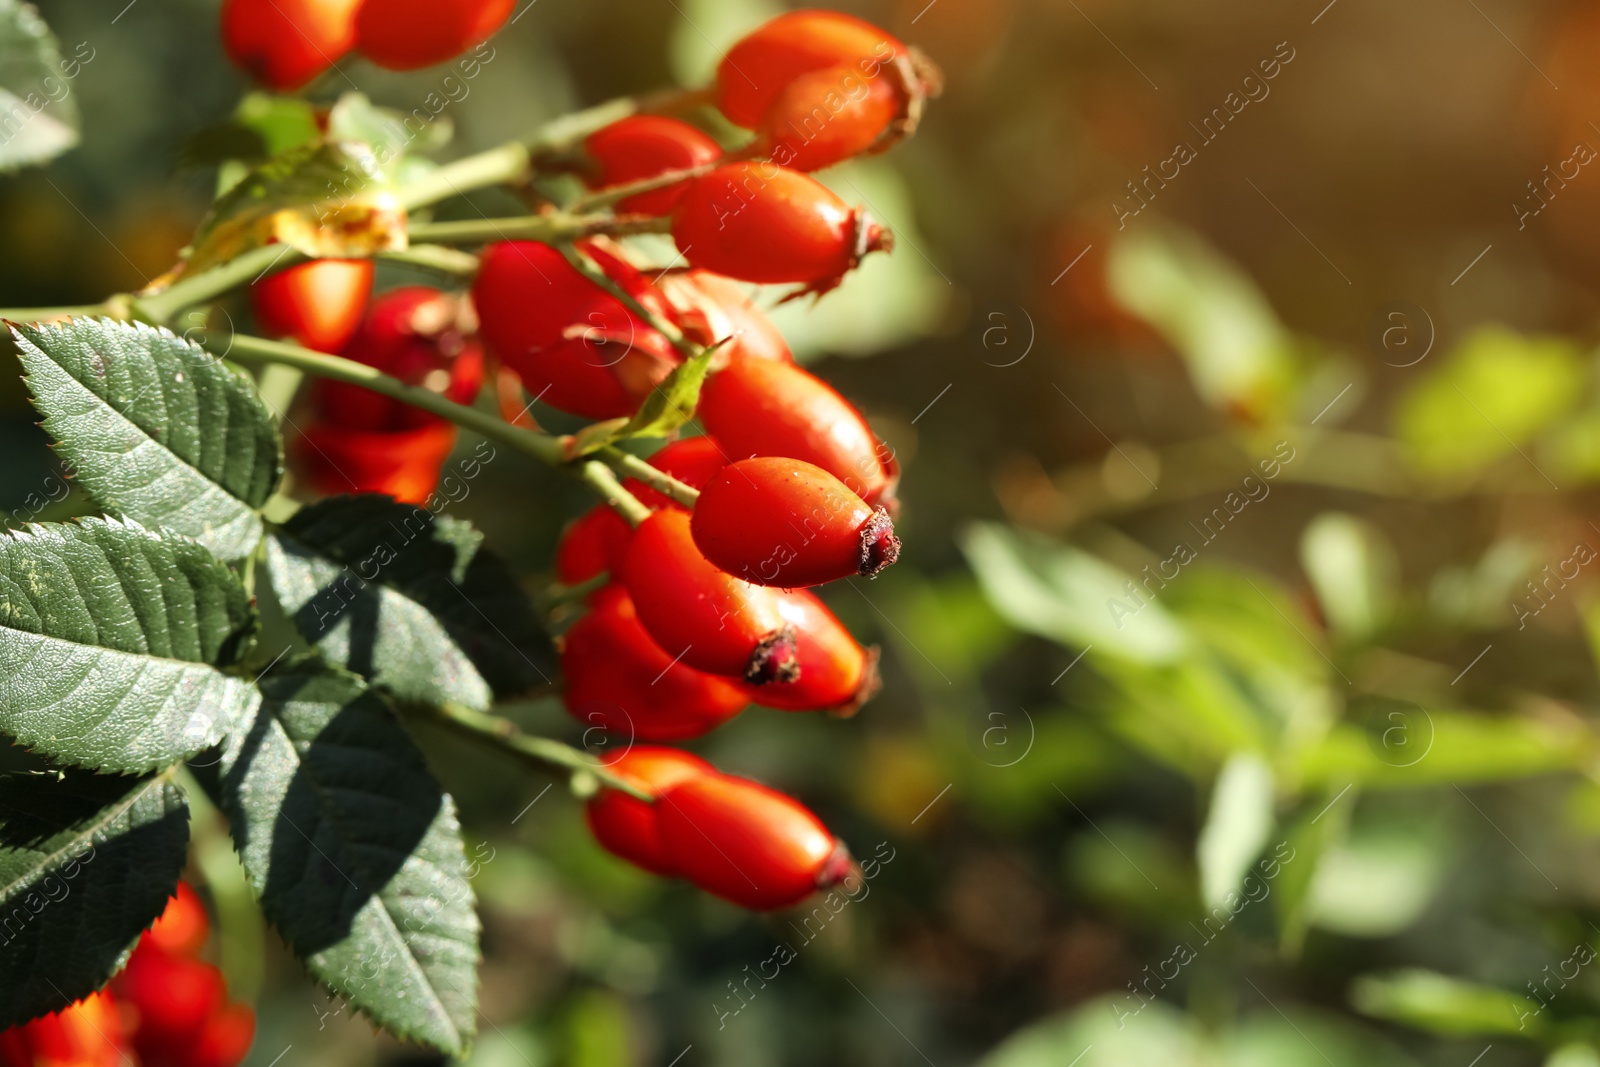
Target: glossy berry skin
column 404, row 464
column 223, row 1041
column 418, row 335
column 699, row 613
column 85, row 1034
column 837, row 675
column 619, row 679
column 183, row 927
column 766, row 408
column 827, row 116
column 713, row 310
column 694, row 461
column 761, row 223
column 317, row 305
column 762, row 64
column 778, row 521
column 573, row 345
column 412, row 34
column 174, row 996
column 626, row 826
column 746, row 843
column 645, row 146
column 286, row 43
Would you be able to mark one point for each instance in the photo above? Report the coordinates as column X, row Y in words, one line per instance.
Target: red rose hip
column 317, row 305
column 624, row 825
column 646, row 146
column 765, row 408
column 618, row 678
column 778, row 521
column 286, row 43
column 763, row 63
column 837, row 675
column 762, row 223
column 827, row 116
column 411, row 34
column 746, row 843
column 701, row 614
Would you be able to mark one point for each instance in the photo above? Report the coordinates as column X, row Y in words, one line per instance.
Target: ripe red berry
column 593, row 544
column 574, row 346
column 746, row 843
column 411, row 34
column 286, row 43
column 837, row 675
column 759, row 407
column 223, row 1041
column 694, row 461
column 762, row 223
column 619, row 679
column 317, row 305
column 626, row 826
column 174, row 997
column 706, row 617
column 645, row 146
column 183, row 927
column 713, row 310
column 778, row 521
column 418, row 335
column 404, row 464
column 826, row 116
column 85, row 1034
column 763, row 63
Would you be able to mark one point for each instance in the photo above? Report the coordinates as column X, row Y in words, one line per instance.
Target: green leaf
column 87, row 862
column 1353, row 569
column 409, row 600
column 41, row 118
column 1114, row 1031
column 1237, row 827
column 1069, row 596
column 156, row 428
column 1381, row 878
column 323, row 199
column 1440, row 1004
column 388, row 132
column 1492, row 396
column 667, row 409
column 113, row 640
column 356, row 852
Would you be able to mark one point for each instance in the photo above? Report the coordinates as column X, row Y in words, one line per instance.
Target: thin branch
column 551, row 229
column 654, row 477
column 542, row 752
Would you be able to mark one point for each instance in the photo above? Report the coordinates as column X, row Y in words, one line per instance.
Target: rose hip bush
column 142, row 659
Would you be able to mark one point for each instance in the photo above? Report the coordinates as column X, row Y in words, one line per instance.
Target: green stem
column 589, row 269
column 654, row 477
column 256, row 350
column 606, row 197
column 505, row 165
column 451, row 262
column 558, row 595
column 598, row 476
column 25, row 315
column 551, row 229
column 540, row 751
column 206, row 286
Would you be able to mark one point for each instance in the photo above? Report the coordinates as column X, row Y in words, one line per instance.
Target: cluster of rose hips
column 167, row 1008
column 286, row 43
column 701, row 607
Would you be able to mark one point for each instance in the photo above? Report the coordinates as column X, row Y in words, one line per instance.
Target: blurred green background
column 1321, row 383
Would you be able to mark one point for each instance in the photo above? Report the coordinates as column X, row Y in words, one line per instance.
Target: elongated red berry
column 694, row 461
column 626, row 826
column 183, row 927
column 404, row 464
column 826, row 116
column 575, row 347
column 778, row 521
column 746, row 843
column 837, row 674
column 701, row 614
column 713, row 310
column 411, row 34
column 619, row 679
column 646, row 146
column 762, row 223
column 224, row 1040
column 766, row 408
column 174, row 996
column 286, row 43
column 763, row 63
column 419, row 335
column 317, row 305
column 85, row 1034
